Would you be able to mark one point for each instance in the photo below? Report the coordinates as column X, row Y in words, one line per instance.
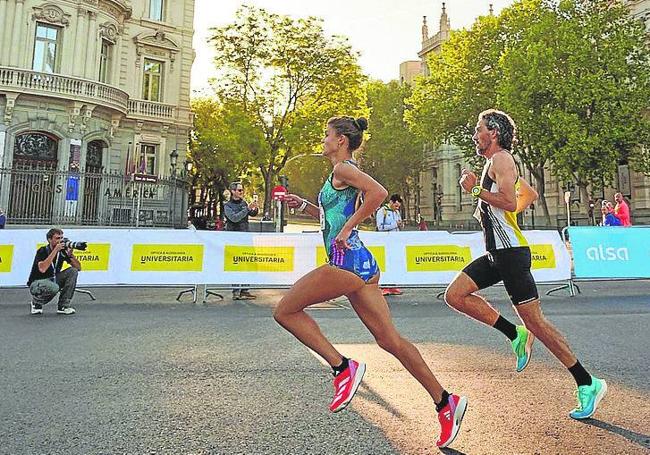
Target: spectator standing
column 622, row 210
column 237, row 211
column 609, row 219
column 389, row 219
column 3, row 219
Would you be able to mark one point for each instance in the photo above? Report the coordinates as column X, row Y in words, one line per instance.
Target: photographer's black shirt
column 53, row 270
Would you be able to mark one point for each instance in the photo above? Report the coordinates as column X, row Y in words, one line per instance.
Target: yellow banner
column 95, row 258
column 437, row 258
column 378, row 252
column 167, row 258
column 6, row 256
column 239, row 258
column 543, row 256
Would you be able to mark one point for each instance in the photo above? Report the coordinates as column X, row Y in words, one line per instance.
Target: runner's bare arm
column 505, row 173
column 294, row 201
column 525, row 196
column 373, row 193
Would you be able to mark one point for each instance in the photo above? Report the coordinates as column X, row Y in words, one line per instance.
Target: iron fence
column 40, row 194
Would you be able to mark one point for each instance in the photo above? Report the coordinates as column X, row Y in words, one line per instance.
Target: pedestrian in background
column 622, row 210
column 3, row 219
column 389, row 219
column 237, row 211
column 609, row 219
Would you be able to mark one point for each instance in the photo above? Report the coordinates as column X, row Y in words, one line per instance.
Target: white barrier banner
column 179, row 257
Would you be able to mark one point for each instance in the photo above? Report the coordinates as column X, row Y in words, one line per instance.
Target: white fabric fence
column 179, row 257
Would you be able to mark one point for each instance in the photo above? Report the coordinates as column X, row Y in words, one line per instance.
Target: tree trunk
column 268, row 175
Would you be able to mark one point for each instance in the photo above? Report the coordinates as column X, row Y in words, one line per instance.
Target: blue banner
column 72, row 189
column 610, row 252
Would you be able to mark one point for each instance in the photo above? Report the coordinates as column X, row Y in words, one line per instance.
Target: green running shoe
column 522, row 347
column 588, row 398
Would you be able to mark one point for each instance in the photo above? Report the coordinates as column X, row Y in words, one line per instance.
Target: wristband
column 303, row 206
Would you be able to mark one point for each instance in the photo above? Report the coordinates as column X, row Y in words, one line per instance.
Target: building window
column 148, row 154
column 94, row 156
column 151, row 87
column 156, row 10
column 46, row 47
column 105, row 61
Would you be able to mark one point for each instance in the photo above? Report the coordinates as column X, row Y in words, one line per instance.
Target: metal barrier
column 38, row 194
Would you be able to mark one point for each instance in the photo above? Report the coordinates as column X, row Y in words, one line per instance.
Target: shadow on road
column 638, row 438
column 449, row 451
column 368, row 393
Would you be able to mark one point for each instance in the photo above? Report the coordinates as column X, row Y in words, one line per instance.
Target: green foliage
column 222, row 145
column 574, row 75
column 393, row 154
column 288, row 77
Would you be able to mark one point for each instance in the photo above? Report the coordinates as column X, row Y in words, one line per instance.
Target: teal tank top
column 336, row 208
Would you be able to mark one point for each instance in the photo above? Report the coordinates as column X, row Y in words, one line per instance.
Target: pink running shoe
column 346, row 384
column 450, row 417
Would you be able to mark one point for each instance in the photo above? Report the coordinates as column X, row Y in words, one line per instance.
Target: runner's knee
column 389, row 343
column 453, row 298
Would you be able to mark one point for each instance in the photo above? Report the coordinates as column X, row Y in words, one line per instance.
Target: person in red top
column 622, row 210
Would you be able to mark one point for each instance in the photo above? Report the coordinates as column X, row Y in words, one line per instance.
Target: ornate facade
column 91, row 89
column 441, row 201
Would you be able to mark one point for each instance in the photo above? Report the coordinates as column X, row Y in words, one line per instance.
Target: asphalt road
column 137, row 373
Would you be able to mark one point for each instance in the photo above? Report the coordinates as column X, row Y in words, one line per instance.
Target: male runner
column 508, row 259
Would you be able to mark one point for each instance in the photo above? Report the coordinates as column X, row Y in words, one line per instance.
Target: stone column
column 116, row 62
column 5, row 49
column 78, row 65
column 3, row 15
column 91, row 51
column 17, row 51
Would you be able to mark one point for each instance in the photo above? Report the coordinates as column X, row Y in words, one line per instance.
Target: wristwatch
column 476, row 191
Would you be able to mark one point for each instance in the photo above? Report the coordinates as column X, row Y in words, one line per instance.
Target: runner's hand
column 293, row 201
column 468, row 180
column 341, row 240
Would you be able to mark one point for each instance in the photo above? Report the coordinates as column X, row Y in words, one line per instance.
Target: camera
column 74, row 245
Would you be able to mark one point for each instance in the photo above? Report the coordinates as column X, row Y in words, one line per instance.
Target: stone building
column 95, row 103
column 441, row 200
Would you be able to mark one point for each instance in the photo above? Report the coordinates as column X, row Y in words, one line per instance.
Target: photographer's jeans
column 44, row 290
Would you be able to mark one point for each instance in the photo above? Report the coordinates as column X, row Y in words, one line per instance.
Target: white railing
column 143, row 108
column 57, row 85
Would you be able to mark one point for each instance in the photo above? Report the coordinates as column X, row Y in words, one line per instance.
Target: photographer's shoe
column 36, row 308
column 65, row 310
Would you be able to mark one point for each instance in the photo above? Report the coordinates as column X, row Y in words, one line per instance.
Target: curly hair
column 504, row 126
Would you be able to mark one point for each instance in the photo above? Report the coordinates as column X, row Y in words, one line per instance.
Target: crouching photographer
column 46, row 279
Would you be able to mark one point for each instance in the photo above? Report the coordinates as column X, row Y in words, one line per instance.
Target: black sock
column 443, row 402
column 341, row 368
column 506, row 327
column 580, row 374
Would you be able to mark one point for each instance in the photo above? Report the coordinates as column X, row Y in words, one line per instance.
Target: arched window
column 94, row 156
column 35, row 149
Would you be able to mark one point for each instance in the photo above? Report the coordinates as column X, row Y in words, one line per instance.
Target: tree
column 392, row 154
column 222, row 145
column 603, row 88
column 573, row 75
column 288, row 77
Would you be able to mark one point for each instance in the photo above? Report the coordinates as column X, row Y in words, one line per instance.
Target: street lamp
column 173, row 158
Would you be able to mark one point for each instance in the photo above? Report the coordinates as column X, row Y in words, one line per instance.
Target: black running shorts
column 510, row 265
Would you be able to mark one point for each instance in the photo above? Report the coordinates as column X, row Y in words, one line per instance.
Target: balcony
column 65, row 87
column 150, row 110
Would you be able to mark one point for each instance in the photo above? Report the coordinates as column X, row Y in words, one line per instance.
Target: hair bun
column 363, row 123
